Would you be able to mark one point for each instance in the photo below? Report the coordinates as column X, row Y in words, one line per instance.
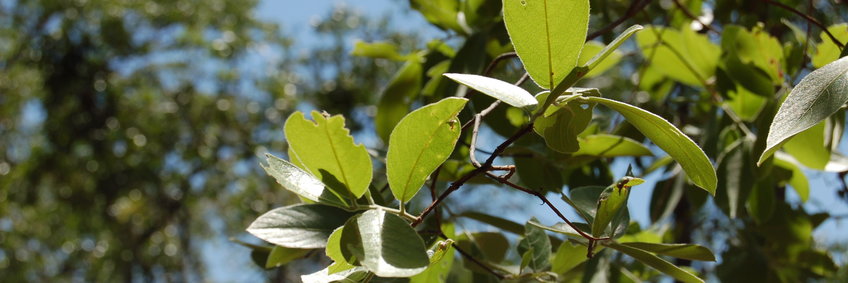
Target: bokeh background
column 131, row 131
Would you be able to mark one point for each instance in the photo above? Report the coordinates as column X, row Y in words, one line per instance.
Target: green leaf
column 562, row 228
column 684, row 251
column 547, row 35
column 594, row 64
column 384, row 244
column 611, row 201
column 353, row 275
column 500, row 90
column 670, row 139
column 440, row 266
column 561, row 128
column 808, row 147
column 420, row 143
column 282, row 255
column 328, row 151
column 755, row 48
column 538, row 174
column 746, row 104
column 490, row 246
column 762, row 201
column 798, row 181
column 300, row 182
column 818, row 95
column 396, row 98
column 585, row 200
column 305, row 226
column 442, row 13
column 735, row 177
column 258, row 254
column 684, row 56
column 497, row 222
column 604, row 145
column 384, row 50
column 568, row 256
column 655, row 262
column 536, row 247
column 334, row 252
column 827, row 51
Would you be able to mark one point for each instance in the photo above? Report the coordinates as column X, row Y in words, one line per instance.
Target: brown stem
column 809, row 19
column 479, row 263
column 547, row 202
column 485, row 167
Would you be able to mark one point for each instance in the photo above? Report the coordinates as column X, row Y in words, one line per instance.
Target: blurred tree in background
column 128, row 127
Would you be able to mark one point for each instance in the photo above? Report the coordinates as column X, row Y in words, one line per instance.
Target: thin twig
column 434, row 195
column 468, row 256
column 547, row 202
column 477, row 171
column 809, row 19
column 494, row 63
column 693, row 17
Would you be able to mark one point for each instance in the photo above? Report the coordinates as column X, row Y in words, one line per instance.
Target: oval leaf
column 684, row 251
column 819, row 95
column 798, row 181
column 282, row 255
column 655, row 262
column 547, row 35
column 536, row 247
column 305, row 226
column 421, row 142
column 611, row 203
column 669, row 138
column 500, row 90
column 384, row 244
column 610, row 146
column 327, row 150
column 300, row 182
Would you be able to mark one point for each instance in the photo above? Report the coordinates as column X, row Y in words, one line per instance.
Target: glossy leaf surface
column 500, row 90
column 305, row 226
column 818, row 95
column 384, row 244
column 300, row 182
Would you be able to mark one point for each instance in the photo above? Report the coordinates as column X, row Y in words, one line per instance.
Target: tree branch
column 809, row 19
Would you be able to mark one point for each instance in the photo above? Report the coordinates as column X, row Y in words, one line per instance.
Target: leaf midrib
column 336, row 155
column 825, row 89
column 418, row 159
column 548, row 43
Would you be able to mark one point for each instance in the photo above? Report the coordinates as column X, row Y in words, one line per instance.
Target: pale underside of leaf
column 818, row 95
column 503, row 91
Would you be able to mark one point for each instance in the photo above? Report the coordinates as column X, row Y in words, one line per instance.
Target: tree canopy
column 135, row 131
